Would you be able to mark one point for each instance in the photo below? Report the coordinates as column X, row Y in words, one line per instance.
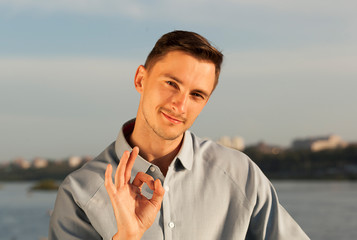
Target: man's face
column 173, row 93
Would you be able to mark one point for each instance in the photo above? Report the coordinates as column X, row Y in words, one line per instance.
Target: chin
column 169, row 135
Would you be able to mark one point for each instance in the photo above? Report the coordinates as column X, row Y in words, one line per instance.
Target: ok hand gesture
column 134, row 213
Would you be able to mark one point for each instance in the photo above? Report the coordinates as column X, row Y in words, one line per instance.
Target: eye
column 171, row 83
column 197, row 95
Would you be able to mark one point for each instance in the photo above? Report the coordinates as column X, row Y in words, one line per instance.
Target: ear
column 139, row 78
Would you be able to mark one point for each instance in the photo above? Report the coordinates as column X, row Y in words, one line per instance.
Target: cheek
column 150, row 97
column 153, row 101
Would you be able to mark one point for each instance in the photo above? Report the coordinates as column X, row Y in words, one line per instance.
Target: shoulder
column 83, row 183
column 227, row 159
column 236, row 165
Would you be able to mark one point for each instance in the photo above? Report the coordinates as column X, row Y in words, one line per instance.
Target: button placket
column 169, row 224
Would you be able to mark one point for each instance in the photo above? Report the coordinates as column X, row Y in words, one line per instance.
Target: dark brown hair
column 188, row 42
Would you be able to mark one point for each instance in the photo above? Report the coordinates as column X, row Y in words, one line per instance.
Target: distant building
column 319, row 143
column 74, row 161
column 4, row 164
column 21, row 163
column 39, row 163
column 87, row 159
column 235, row 142
column 266, row 148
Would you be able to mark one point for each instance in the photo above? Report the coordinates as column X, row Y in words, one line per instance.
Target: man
column 169, row 183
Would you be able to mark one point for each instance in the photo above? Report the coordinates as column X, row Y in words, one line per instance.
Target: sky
column 67, row 70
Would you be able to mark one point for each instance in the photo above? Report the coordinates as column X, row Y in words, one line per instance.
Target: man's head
column 175, row 84
column 188, row 42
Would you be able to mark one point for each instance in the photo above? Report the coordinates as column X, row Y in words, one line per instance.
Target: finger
column 134, row 153
column 110, row 187
column 158, row 195
column 108, row 182
column 119, row 174
column 142, row 178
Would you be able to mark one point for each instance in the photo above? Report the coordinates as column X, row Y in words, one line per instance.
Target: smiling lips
column 172, row 119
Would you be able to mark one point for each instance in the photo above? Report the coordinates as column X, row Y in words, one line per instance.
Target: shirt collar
column 122, row 145
column 185, row 154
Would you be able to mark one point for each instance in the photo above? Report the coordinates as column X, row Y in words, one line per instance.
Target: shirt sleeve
column 68, row 220
column 269, row 219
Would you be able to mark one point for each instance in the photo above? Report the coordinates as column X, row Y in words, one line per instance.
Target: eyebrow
column 204, row 93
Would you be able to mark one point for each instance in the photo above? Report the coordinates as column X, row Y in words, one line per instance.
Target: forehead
column 153, row 61
column 185, row 65
column 179, row 59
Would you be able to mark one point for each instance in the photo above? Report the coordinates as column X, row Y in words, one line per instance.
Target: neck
column 153, row 148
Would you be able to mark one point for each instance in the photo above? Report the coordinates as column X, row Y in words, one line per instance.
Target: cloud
column 65, row 86
column 322, row 60
column 184, row 9
column 329, row 7
column 91, row 7
column 66, row 71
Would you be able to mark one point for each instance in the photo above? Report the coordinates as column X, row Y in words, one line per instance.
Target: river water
column 325, row 210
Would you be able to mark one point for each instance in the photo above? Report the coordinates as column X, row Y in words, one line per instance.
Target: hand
column 134, row 213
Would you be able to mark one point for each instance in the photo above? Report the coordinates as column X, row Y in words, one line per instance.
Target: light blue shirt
column 212, row 192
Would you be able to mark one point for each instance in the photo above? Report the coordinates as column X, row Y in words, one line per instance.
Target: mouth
column 172, row 119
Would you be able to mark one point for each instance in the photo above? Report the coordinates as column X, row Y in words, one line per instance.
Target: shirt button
column 171, row 224
column 167, row 188
column 152, row 169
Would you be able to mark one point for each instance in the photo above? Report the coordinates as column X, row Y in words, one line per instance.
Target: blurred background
column 286, row 96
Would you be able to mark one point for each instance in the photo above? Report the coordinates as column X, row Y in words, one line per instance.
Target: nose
column 179, row 103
